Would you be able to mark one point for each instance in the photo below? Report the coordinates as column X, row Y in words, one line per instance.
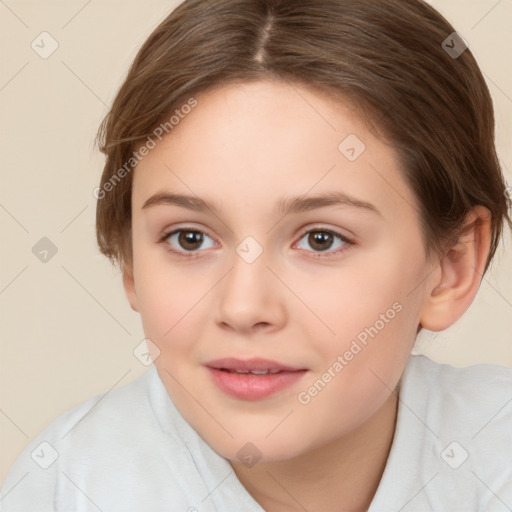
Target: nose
column 250, row 298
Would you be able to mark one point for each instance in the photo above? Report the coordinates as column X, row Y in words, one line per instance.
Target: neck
column 342, row 475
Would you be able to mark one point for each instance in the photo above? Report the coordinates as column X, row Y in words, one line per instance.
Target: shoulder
column 452, row 448
column 109, row 413
column 480, row 373
column 126, row 449
column 459, row 398
column 105, row 429
column 442, row 380
column 461, row 419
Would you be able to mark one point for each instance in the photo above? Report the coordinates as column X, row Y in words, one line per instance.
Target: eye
column 323, row 240
column 187, row 241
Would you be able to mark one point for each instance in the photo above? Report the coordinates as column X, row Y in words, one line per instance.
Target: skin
column 245, row 146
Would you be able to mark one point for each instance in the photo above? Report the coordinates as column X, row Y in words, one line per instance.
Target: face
column 297, row 252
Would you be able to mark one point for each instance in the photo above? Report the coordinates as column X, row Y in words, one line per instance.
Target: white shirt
column 131, row 450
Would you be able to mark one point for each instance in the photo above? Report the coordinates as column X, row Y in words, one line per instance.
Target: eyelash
column 319, row 229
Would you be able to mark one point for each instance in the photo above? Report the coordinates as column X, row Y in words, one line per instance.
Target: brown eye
column 323, row 240
column 188, row 240
column 320, row 240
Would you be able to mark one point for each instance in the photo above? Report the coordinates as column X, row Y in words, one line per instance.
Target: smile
column 252, row 379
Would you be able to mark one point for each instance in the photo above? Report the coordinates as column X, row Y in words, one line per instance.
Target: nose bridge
column 248, row 278
column 250, row 294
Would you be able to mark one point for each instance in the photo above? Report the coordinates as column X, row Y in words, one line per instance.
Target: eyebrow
column 285, row 206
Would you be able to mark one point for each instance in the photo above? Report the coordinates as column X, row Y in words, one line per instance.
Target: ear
column 129, row 287
column 460, row 273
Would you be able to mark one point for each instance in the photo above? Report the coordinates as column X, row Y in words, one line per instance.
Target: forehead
column 250, row 143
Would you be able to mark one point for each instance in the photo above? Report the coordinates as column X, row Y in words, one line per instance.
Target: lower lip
column 248, row 386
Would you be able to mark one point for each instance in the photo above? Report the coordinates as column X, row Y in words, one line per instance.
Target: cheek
column 168, row 296
column 373, row 317
column 355, row 303
column 170, row 309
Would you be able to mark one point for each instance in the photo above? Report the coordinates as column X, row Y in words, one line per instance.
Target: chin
column 251, row 452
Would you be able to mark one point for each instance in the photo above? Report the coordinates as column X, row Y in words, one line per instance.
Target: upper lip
column 231, row 363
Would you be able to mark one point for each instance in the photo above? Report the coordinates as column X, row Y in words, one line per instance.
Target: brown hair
column 385, row 56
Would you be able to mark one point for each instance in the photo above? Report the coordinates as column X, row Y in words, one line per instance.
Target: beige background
column 67, row 332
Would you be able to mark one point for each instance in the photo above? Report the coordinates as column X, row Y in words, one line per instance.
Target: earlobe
column 461, row 271
column 129, row 288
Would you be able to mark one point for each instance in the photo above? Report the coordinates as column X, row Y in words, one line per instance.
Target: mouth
column 254, row 372
column 256, row 365
column 252, row 379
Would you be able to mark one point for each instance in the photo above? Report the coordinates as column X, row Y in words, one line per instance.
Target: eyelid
column 348, row 240
column 182, row 254
column 167, row 232
column 320, row 227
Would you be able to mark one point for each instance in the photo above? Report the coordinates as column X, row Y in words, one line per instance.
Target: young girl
column 293, row 190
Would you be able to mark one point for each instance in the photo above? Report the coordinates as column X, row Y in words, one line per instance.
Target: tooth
column 254, row 372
